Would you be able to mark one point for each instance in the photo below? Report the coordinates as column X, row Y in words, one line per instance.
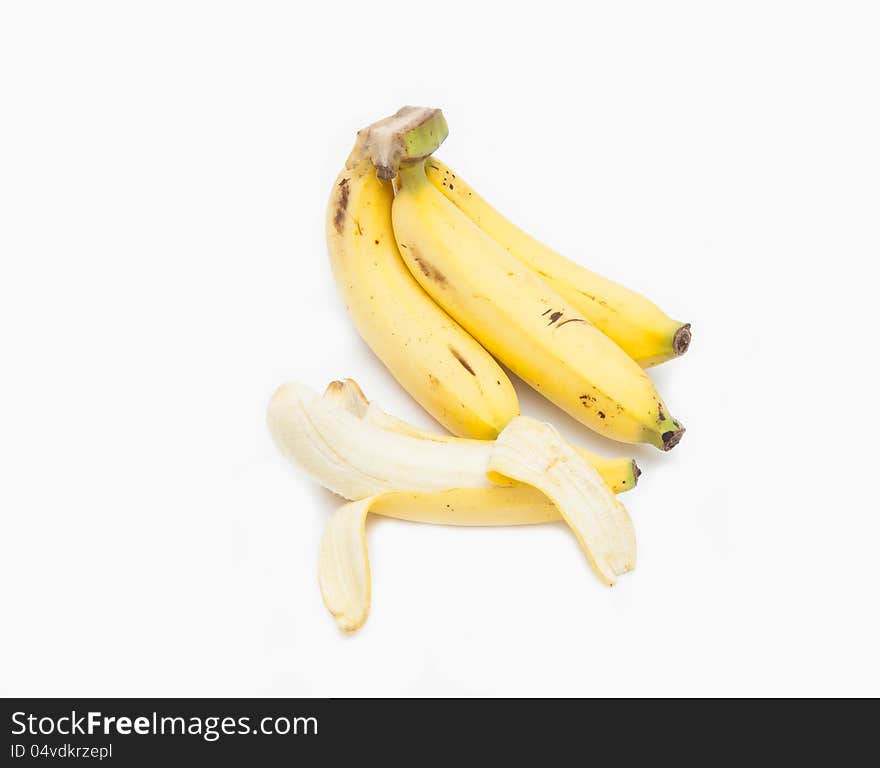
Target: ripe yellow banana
column 447, row 372
column 638, row 325
column 522, row 321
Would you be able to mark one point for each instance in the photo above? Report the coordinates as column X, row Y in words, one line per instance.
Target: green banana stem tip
column 411, row 133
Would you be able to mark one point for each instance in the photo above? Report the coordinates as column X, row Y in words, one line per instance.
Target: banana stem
column 411, row 133
column 411, row 175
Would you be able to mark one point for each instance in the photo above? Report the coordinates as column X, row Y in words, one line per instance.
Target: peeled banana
column 526, row 451
column 353, row 448
column 522, row 321
column 637, row 325
column 528, row 460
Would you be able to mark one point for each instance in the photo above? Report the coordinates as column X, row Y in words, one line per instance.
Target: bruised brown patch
column 428, row 269
column 554, row 317
column 341, row 206
column 661, row 417
column 464, row 363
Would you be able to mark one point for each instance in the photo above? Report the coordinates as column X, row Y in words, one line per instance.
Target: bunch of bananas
column 443, row 289
column 440, row 286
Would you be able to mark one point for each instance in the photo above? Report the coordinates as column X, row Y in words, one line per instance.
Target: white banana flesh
column 356, row 458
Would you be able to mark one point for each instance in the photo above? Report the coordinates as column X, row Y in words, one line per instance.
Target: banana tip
column 637, row 473
column 682, row 339
column 671, row 439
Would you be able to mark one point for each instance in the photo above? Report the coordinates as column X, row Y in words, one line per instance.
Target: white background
column 164, row 169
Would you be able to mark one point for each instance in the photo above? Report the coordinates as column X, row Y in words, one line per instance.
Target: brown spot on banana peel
column 341, row 206
column 599, row 301
column 682, row 339
column 554, row 317
column 661, row 417
column 464, row 363
column 571, row 320
column 428, row 269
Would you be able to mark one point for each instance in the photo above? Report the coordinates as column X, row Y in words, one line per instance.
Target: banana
column 522, row 321
column 620, row 474
column 352, row 447
column 636, row 324
column 526, row 450
column 447, row 372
